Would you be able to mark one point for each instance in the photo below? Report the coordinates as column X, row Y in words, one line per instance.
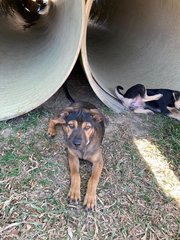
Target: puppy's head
column 79, row 126
column 176, row 96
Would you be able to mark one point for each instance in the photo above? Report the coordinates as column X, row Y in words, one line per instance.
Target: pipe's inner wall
column 36, row 60
column 137, row 41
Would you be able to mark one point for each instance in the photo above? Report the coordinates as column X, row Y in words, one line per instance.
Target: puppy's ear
column 64, row 114
column 176, row 96
column 98, row 116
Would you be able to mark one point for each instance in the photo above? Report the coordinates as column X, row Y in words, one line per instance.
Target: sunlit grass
column 166, row 136
column 159, row 166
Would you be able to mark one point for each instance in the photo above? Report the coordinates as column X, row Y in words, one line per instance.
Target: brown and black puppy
column 84, row 126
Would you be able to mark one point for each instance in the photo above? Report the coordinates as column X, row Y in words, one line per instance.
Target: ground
column 138, row 195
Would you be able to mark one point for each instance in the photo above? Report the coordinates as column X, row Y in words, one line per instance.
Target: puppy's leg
column 142, row 110
column 147, row 98
column 74, row 192
column 90, row 197
column 174, row 113
column 52, row 126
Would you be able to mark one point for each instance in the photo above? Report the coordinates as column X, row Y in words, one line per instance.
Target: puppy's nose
column 77, row 142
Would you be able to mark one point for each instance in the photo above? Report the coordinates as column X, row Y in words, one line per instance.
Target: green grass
column 166, row 134
column 107, row 111
column 35, row 179
column 24, row 122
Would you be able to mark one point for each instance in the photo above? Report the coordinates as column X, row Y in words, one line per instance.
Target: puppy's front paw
column 159, row 96
column 149, row 111
column 90, row 201
column 74, row 195
column 52, row 132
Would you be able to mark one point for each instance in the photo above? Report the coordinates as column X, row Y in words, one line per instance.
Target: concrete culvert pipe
column 39, row 44
column 129, row 42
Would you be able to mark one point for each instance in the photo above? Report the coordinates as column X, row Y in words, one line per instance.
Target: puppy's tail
column 118, row 92
column 66, row 91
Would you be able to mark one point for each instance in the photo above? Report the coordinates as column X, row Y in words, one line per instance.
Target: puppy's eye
column 70, row 125
column 87, row 127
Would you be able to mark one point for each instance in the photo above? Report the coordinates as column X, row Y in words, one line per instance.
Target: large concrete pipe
column 129, row 42
column 39, row 44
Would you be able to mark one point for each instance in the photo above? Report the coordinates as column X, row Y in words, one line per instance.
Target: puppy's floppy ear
column 98, row 116
column 176, row 95
column 64, row 114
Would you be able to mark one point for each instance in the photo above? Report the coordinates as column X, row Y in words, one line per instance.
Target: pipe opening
column 130, row 42
column 39, row 45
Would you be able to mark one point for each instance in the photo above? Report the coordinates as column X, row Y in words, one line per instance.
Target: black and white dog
column 142, row 100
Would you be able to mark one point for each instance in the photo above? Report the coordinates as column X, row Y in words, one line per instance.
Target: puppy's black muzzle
column 77, row 141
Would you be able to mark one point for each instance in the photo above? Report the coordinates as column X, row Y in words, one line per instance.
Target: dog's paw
column 74, row 195
column 90, row 201
column 149, row 112
column 51, row 132
column 159, row 95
